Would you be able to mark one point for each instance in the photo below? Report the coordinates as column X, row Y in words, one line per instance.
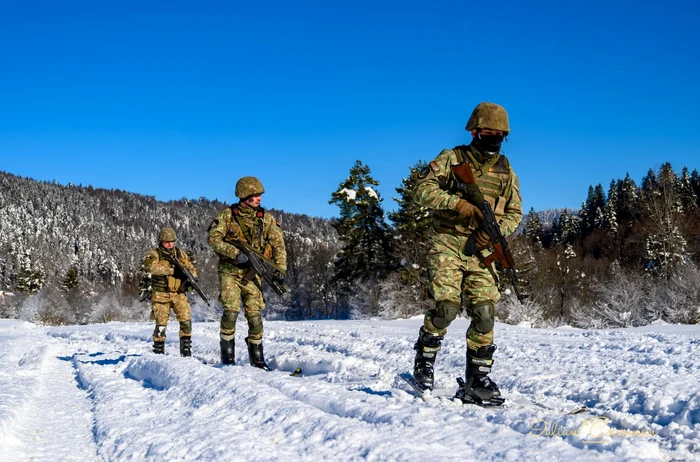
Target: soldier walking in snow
column 248, row 223
column 169, row 285
column 453, row 273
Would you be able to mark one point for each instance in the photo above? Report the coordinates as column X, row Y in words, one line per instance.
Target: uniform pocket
column 500, row 208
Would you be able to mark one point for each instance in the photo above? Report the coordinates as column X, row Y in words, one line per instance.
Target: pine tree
column 666, row 246
column 566, row 228
column 611, row 208
column 366, row 253
column 688, row 196
column 695, row 185
column 534, row 228
column 412, row 223
column 595, row 209
column 71, row 280
column 650, row 182
column 30, row 277
column 628, row 194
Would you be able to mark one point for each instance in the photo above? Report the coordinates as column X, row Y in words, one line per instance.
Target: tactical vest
column 167, row 283
column 250, row 235
column 492, row 178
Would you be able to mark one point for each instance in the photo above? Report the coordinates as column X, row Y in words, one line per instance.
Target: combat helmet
column 167, row 235
column 489, row 115
column 248, row 186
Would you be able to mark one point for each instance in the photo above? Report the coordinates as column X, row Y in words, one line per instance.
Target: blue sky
column 180, row 99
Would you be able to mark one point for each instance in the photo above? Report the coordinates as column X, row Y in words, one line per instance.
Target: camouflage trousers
column 161, row 304
column 454, row 276
column 234, row 293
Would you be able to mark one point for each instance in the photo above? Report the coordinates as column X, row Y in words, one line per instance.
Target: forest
column 628, row 257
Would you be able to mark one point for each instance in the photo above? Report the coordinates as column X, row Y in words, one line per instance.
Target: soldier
column 452, row 273
column 169, row 287
column 245, row 221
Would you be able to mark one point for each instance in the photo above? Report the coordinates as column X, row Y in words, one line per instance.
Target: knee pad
column 228, row 320
column 159, row 331
column 186, row 327
column 255, row 324
column 445, row 313
column 483, row 317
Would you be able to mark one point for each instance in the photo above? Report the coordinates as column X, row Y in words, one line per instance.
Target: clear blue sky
column 180, row 99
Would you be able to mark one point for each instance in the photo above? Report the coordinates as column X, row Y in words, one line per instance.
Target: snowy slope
column 97, row 393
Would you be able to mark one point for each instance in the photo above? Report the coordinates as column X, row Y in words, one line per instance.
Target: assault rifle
column 189, row 278
column 262, row 266
column 467, row 183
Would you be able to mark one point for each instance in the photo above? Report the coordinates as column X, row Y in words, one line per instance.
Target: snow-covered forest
column 72, row 254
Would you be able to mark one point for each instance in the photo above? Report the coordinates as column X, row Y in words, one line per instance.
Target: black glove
column 241, row 258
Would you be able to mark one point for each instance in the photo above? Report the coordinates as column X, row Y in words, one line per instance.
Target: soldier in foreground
column 455, row 273
column 169, row 285
column 248, row 223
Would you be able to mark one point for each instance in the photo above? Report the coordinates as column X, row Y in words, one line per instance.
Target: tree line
column 73, row 254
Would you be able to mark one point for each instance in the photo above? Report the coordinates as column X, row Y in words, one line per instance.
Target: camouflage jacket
column 254, row 227
column 165, row 277
column 497, row 181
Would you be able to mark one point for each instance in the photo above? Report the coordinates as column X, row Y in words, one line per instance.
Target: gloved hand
column 467, row 210
column 482, row 239
column 241, row 258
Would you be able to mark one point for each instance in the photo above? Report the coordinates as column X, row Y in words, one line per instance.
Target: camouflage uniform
column 169, row 286
column 259, row 229
column 452, row 273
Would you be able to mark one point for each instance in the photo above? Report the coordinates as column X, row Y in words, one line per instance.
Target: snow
column 371, row 192
column 96, row 392
column 350, row 193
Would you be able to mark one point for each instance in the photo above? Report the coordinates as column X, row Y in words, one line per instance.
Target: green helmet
column 489, row 115
column 248, row 186
column 167, row 235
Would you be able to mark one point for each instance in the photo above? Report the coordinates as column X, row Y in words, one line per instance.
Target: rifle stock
column 467, row 183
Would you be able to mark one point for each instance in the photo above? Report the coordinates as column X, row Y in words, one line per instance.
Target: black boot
column 478, row 388
column 159, row 347
column 255, row 353
column 427, row 347
column 185, row 346
column 228, row 355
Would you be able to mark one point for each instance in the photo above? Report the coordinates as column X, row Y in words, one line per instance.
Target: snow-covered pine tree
column 628, row 194
column 412, row 223
column 594, row 210
column 534, row 228
column 611, row 207
column 71, row 280
column 366, row 254
column 666, row 246
column 30, row 277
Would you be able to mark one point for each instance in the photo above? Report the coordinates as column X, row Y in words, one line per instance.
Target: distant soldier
column 169, row 285
column 454, row 274
column 249, row 223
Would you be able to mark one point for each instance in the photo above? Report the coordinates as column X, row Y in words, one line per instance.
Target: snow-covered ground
column 97, row 393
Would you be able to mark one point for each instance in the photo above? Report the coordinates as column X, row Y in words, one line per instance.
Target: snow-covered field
column 97, row 393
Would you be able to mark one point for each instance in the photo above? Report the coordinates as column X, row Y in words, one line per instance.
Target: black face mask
column 489, row 143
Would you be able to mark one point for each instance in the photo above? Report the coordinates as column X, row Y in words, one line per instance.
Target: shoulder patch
column 424, row 173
